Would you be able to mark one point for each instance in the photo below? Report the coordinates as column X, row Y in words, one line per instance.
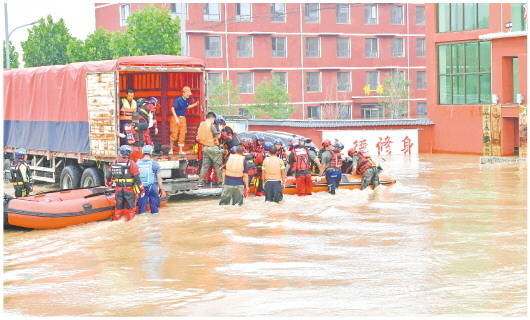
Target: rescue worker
column 127, row 106
column 274, row 176
column 151, row 181
column 147, row 115
column 300, row 162
column 20, row 173
column 332, row 164
column 177, row 123
column 208, row 137
column 259, row 153
column 125, row 176
column 280, row 150
column 365, row 167
column 247, row 144
column 235, row 178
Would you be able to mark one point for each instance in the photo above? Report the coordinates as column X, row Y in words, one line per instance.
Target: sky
column 78, row 16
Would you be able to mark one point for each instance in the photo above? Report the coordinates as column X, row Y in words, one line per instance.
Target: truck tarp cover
column 45, row 108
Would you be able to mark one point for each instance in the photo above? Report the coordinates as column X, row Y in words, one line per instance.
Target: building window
column 243, row 12
column 420, row 47
column 371, row 48
column 421, row 109
column 212, row 12
column 314, row 112
column 464, row 73
column 212, row 45
column 397, row 74
column 372, row 79
column 179, row 10
column 125, row 11
column 420, row 15
column 244, row 47
column 342, row 13
column 371, row 111
column 312, row 13
column 312, row 47
column 280, row 77
column 343, row 47
column 214, row 77
column 343, row 81
column 246, row 82
column 370, row 14
column 462, row 16
column 518, row 16
column 344, row 111
column 397, row 47
column 397, row 14
column 421, row 83
column 313, row 81
column 278, row 12
column 279, row 47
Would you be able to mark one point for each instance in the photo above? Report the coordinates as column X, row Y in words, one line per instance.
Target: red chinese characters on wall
column 384, row 145
column 360, row 146
column 407, row 145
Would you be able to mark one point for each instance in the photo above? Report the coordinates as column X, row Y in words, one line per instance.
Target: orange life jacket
column 273, row 168
column 336, row 160
column 301, row 159
column 205, row 135
column 364, row 163
column 130, row 133
column 235, row 166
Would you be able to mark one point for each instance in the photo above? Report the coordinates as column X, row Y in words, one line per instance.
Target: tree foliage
column 13, row 55
column 95, row 47
column 153, row 31
column 272, row 100
column 223, row 97
column 395, row 91
column 47, row 43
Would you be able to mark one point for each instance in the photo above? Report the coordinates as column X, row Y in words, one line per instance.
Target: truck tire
column 92, row 177
column 70, row 177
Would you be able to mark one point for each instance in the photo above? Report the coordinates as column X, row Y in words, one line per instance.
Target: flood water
column 448, row 238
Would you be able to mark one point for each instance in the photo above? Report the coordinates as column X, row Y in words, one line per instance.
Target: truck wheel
column 92, row 177
column 70, row 177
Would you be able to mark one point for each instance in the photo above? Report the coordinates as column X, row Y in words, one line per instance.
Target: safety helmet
column 352, row 152
column 326, row 143
column 152, row 100
column 140, row 102
column 260, row 139
column 338, row 145
column 295, row 142
column 147, row 149
column 220, row 121
column 278, row 141
column 125, row 150
column 20, row 153
column 233, row 150
column 267, row 145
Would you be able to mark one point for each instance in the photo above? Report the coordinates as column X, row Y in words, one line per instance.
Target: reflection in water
column 448, row 238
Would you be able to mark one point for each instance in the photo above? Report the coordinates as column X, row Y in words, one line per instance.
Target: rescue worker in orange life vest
column 366, row 167
column 125, row 176
column 300, row 162
column 235, row 178
column 20, row 176
column 332, row 164
column 274, row 176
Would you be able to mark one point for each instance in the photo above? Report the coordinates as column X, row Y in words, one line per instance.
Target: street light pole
column 8, row 34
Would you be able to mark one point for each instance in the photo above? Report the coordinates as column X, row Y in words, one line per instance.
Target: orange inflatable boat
column 62, row 208
column 349, row 181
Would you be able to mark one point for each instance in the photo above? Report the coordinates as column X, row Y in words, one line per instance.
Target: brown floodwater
column 448, row 238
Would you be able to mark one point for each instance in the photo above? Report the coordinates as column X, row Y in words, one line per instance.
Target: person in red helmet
column 332, row 164
column 125, row 175
column 300, row 163
column 364, row 166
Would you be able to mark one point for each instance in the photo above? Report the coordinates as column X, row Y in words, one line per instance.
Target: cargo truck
column 67, row 116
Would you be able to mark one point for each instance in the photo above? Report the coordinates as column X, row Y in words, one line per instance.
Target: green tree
column 395, row 91
column 223, row 97
column 272, row 100
column 47, row 43
column 95, row 47
column 153, row 31
column 121, row 45
column 13, row 55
